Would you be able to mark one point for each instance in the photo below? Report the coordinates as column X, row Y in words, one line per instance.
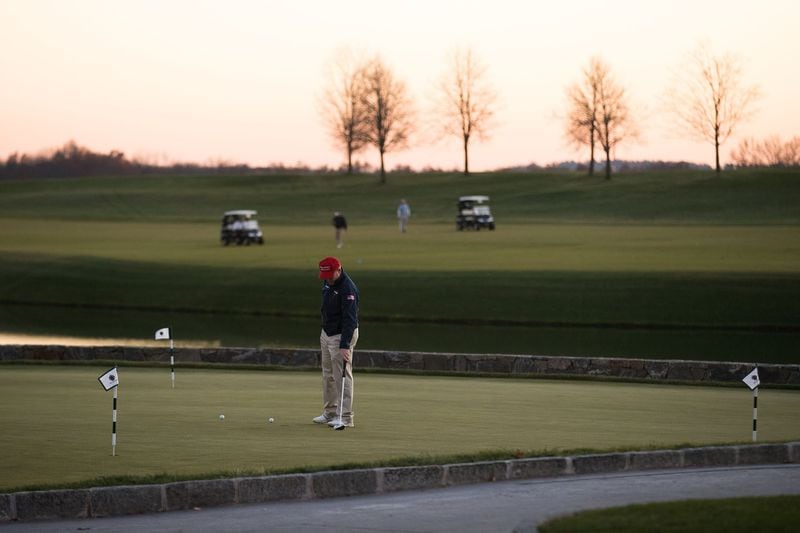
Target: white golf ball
column 271, row 420
column 222, row 417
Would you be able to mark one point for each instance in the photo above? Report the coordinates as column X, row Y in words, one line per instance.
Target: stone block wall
column 517, row 365
column 116, row 501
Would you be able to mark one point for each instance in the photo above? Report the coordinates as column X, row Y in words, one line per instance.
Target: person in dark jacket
column 337, row 339
column 340, row 223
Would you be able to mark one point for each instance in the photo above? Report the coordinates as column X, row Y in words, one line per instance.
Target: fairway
column 57, row 420
column 430, row 248
column 696, row 275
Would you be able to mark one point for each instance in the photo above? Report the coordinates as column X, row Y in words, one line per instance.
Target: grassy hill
column 738, row 197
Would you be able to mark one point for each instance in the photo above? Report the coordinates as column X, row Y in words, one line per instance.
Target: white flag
column 751, row 380
column 163, row 333
column 110, row 379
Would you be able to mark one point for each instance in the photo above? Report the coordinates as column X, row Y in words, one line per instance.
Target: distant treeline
column 73, row 161
column 616, row 166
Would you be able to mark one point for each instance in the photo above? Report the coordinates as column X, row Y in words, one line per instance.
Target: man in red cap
column 338, row 338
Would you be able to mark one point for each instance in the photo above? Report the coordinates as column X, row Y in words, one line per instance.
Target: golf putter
column 339, row 425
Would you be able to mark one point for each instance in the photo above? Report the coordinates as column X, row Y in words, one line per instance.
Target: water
column 27, row 324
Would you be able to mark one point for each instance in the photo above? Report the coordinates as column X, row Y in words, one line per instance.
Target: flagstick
column 114, row 426
column 755, row 412
column 172, row 360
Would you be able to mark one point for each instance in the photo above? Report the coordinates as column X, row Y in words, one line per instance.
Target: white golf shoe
column 336, row 422
column 322, row 419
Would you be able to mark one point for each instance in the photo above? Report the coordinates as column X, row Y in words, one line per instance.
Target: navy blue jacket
column 340, row 308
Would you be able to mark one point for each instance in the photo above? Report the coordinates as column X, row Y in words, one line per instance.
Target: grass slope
column 740, row 197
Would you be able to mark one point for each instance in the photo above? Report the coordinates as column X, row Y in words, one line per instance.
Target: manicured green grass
column 767, row 513
column 57, row 421
column 380, row 248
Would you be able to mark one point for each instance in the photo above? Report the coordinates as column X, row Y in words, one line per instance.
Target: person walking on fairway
column 337, row 339
column 340, row 223
column 403, row 214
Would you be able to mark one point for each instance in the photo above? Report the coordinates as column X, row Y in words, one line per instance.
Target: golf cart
column 240, row 227
column 474, row 213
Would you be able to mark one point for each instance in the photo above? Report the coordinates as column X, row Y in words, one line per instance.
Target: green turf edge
column 759, row 513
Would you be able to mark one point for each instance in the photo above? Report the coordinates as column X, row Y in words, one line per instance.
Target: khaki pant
column 332, row 377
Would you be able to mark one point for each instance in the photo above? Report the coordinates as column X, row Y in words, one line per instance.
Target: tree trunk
column 466, row 155
column 349, row 160
column 716, row 151
column 608, row 164
column 383, row 170
column 591, row 153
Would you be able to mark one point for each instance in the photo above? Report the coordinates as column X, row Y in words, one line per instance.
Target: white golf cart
column 474, row 213
column 240, row 227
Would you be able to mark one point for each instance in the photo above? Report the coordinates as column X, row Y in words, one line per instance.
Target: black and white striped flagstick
column 755, row 414
column 752, row 381
column 114, row 426
column 172, row 359
column 110, row 380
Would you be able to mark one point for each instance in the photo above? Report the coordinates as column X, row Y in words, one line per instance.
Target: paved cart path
column 505, row 506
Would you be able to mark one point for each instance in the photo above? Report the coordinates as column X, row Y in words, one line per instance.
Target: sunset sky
column 236, row 80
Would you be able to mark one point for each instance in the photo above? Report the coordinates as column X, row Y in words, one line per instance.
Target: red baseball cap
column 328, row 266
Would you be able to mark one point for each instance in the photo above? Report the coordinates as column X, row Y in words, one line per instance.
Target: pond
column 28, row 324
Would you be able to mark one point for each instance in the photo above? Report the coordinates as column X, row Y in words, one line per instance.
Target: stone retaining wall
column 125, row 500
column 639, row 369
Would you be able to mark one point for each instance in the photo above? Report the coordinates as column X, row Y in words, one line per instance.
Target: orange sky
column 195, row 80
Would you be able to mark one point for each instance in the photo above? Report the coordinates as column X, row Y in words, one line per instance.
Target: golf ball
column 271, row 420
column 222, row 417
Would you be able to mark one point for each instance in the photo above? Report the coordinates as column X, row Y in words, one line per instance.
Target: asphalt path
column 504, row 506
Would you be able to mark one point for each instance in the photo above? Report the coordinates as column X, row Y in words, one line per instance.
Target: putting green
column 57, row 420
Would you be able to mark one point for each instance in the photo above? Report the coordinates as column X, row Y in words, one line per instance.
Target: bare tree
column 581, row 120
column 615, row 123
column 709, row 99
column 466, row 100
column 342, row 106
column 389, row 111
